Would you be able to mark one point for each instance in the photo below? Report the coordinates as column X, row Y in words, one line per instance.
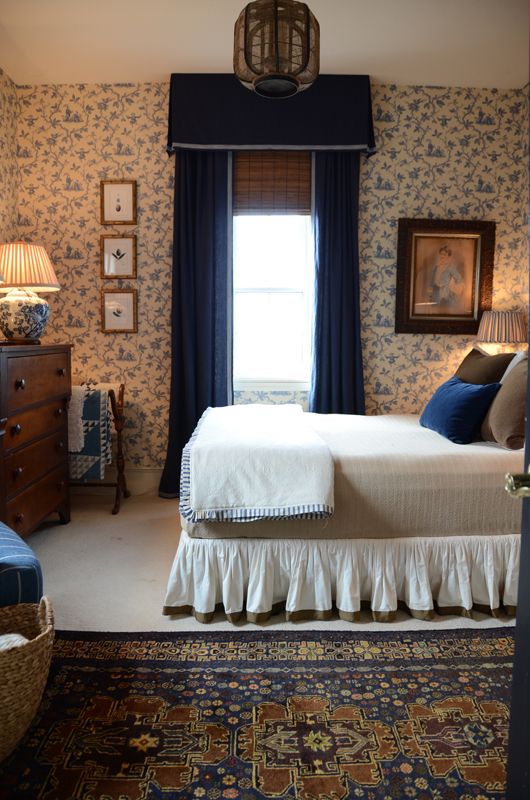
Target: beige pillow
column 480, row 367
column 505, row 421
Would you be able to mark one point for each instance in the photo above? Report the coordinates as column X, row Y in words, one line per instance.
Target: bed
column 418, row 521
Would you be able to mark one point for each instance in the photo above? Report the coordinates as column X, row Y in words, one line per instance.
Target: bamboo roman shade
column 272, row 182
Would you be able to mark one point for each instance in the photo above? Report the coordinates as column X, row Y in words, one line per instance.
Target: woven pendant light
column 276, row 47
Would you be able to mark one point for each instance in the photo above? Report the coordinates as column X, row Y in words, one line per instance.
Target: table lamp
column 500, row 327
column 24, row 270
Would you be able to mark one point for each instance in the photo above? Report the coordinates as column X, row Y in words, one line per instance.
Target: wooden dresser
column 35, row 385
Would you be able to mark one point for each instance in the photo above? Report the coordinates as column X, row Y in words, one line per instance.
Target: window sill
column 271, row 386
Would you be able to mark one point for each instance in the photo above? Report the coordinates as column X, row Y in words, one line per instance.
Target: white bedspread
column 249, row 462
column 394, row 478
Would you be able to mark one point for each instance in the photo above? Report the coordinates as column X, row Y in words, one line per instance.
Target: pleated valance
column 215, row 112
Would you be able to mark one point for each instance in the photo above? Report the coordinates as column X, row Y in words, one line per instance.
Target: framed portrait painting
column 444, row 275
column 118, row 202
column 118, row 256
column 118, row 311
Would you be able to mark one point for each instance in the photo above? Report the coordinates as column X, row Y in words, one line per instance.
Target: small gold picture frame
column 118, row 202
column 118, row 256
column 119, row 311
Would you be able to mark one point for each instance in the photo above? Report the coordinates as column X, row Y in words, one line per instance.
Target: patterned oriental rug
column 314, row 716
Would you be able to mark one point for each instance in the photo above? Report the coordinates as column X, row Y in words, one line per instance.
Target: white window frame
column 271, row 384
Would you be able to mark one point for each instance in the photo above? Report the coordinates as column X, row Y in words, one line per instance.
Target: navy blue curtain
column 337, row 376
column 201, row 310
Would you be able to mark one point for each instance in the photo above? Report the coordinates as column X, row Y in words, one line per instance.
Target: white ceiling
column 481, row 43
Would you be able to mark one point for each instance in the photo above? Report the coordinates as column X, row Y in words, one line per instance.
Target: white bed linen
column 417, row 520
column 394, row 478
column 256, row 461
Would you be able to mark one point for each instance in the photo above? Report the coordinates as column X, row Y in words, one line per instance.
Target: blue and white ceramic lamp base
column 23, row 315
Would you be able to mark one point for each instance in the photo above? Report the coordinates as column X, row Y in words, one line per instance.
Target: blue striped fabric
column 20, row 570
column 313, row 511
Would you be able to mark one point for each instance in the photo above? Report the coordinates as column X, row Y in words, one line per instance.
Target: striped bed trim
column 313, row 511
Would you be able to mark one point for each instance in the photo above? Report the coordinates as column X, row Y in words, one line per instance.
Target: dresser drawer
column 24, row 466
column 33, row 379
column 27, row 509
column 27, row 425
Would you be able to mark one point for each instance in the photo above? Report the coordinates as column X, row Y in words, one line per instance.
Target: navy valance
column 215, row 112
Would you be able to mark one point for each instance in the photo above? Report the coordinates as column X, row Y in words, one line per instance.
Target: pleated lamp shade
column 28, row 266
column 25, row 269
column 502, row 326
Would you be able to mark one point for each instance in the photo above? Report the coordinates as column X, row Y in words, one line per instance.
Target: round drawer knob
column 15, row 429
column 60, row 485
column 61, row 371
column 59, row 446
column 19, row 517
column 59, row 412
column 20, row 383
column 18, row 471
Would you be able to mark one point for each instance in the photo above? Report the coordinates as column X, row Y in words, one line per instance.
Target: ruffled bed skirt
column 310, row 578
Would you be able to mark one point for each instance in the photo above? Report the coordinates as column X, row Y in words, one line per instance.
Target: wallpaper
column 70, row 138
column 8, row 158
column 445, row 153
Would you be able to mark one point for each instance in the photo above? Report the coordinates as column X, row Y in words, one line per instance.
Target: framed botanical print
column 118, row 311
column 118, row 202
column 444, row 275
column 118, row 256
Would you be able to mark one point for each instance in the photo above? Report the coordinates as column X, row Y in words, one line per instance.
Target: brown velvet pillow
column 479, row 367
column 504, row 422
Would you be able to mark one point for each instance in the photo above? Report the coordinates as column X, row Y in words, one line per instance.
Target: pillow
column 521, row 355
column 504, row 422
column 479, row 367
column 456, row 409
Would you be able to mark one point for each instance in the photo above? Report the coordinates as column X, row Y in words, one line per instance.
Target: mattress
column 396, row 479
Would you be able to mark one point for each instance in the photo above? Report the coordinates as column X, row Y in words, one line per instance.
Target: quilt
column 89, row 463
column 250, row 462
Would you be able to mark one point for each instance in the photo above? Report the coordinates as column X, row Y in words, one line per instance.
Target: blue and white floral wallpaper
column 454, row 153
column 445, row 153
column 69, row 139
column 9, row 178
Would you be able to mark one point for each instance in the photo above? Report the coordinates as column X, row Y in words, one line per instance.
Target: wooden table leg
column 119, row 421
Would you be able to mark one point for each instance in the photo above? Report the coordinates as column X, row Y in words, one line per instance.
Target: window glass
column 273, row 279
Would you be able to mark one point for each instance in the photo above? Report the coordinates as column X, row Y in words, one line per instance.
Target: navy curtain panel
column 201, row 374
column 337, row 376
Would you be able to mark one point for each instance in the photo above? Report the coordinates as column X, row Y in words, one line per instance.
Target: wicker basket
column 24, row 669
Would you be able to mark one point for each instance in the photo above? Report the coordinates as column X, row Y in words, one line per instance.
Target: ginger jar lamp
column 25, row 270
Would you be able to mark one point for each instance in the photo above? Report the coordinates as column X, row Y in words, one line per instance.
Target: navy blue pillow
column 456, row 409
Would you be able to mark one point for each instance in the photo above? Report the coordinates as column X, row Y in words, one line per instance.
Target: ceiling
column 480, row 43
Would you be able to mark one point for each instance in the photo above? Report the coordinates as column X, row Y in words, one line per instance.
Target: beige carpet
column 109, row 573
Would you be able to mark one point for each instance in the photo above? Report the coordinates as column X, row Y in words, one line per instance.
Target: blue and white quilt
column 250, row 462
column 89, row 462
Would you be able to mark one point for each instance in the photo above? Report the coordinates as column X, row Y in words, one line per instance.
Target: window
column 273, row 270
column 273, row 279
